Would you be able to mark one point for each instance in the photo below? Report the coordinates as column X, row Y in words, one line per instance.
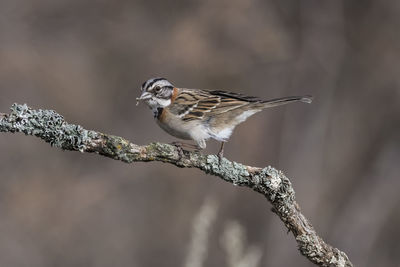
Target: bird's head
column 156, row 93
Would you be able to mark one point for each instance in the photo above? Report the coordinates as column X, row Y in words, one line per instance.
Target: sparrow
column 198, row 114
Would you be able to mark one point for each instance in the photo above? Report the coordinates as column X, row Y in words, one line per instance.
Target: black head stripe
column 152, row 81
column 144, row 85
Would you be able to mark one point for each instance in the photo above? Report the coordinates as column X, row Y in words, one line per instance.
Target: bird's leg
column 221, row 151
column 186, row 145
column 180, row 146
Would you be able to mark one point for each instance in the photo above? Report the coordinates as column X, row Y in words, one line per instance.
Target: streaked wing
column 186, row 101
column 199, row 104
column 235, row 96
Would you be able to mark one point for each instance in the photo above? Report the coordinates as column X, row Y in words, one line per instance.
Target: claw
column 179, row 148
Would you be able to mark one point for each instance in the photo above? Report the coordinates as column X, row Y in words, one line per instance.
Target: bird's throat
column 158, row 112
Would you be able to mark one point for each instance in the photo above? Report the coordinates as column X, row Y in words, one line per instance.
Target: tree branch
column 273, row 184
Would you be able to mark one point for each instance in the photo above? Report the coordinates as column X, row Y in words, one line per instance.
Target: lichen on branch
column 46, row 124
column 273, row 184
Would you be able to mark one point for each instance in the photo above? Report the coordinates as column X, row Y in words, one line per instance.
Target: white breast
column 195, row 130
column 191, row 130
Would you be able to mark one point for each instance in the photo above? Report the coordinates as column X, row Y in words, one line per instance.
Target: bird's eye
column 157, row 89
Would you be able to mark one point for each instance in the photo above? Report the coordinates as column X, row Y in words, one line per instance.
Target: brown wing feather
column 192, row 104
column 234, row 96
column 202, row 103
column 205, row 104
column 221, row 110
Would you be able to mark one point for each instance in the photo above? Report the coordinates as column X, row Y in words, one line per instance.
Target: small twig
column 273, row 184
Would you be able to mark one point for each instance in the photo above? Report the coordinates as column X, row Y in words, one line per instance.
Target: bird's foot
column 220, row 156
column 221, row 152
column 180, row 146
column 185, row 145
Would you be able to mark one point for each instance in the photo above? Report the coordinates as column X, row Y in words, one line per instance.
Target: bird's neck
column 157, row 112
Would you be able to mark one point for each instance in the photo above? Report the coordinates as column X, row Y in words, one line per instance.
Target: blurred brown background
column 87, row 60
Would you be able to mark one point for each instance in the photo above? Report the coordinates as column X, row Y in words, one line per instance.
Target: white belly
column 192, row 130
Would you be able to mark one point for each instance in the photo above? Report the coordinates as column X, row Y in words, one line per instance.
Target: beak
column 143, row 96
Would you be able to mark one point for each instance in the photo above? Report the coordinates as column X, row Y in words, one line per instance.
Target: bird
column 200, row 114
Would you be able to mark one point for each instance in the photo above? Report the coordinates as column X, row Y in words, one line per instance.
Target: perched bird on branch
column 197, row 114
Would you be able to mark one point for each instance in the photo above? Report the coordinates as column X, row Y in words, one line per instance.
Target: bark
column 273, row 184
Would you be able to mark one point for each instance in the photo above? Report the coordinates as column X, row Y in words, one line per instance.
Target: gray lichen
column 230, row 171
column 275, row 179
column 273, row 184
column 46, row 124
column 320, row 253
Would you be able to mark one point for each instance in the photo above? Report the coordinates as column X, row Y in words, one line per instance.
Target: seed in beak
column 143, row 96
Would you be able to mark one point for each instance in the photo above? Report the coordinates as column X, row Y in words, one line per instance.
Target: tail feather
column 286, row 100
